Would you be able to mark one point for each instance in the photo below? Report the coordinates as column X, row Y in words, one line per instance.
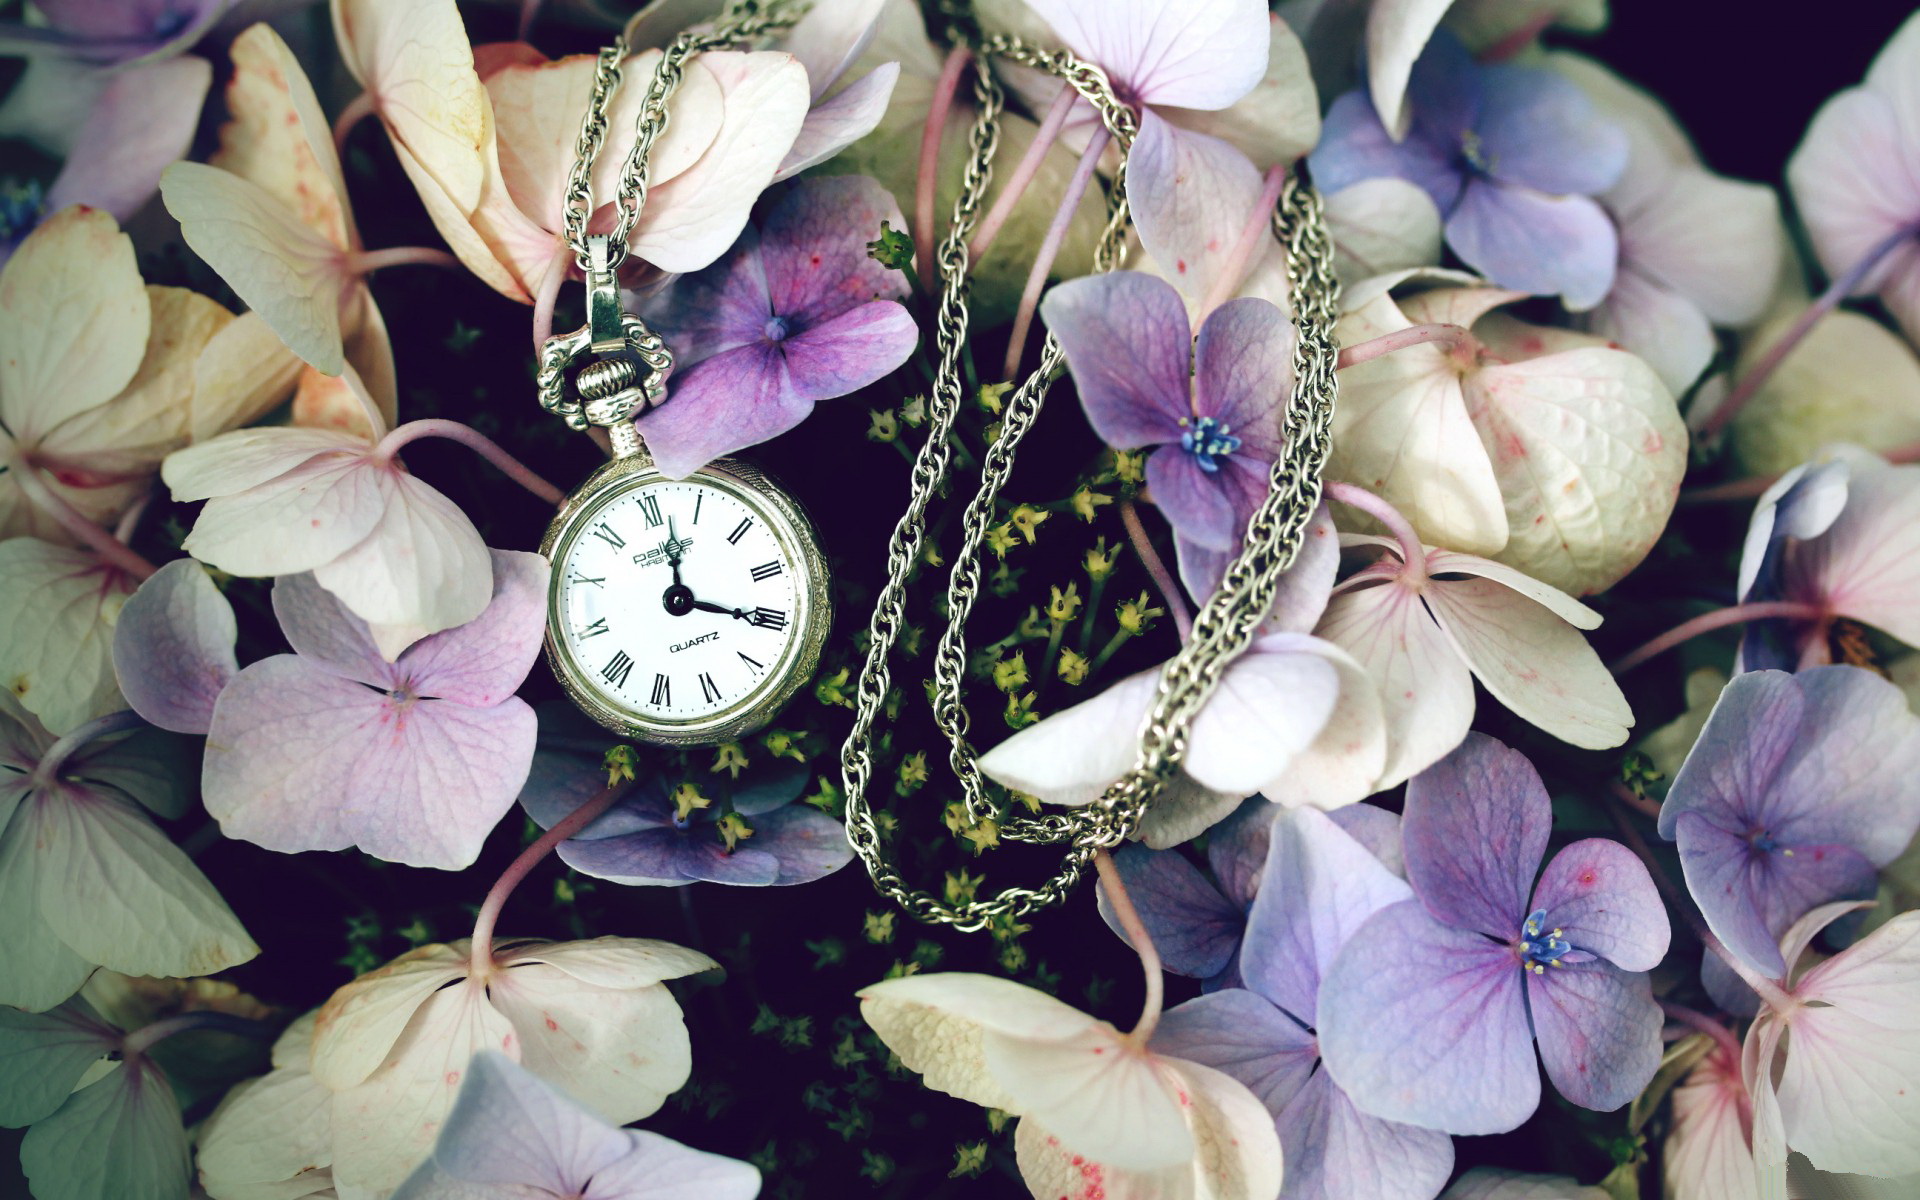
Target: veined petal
column 1708, row 1154
column 1334, row 1151
column 737, row 398
column 144, row 120
column 1660, row 325
column 244, row 372
column 1275, row 123
column 118, row 1136
column 1199, row 56
column 173, row 647
column 1072, row 756
column 1127, row 344
column 42, row 970
column 1195, row 928
column 1599, row 1031
column 1397, row 31
column 1190, row 194
column 1105, row 1099
column 56, row 645
column 1475, row 828
column 1341, row 765
column 833, row 125
column 1238, row 1032
column 278, row 136
column 1539, row 243
column 1382, row 225
column 482, row 661
column 1271, row 704
column 1599, row 892
column 1862, row 566
column 361, row 1022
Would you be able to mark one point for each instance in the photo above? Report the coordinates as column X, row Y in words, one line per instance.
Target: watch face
column 683, row 610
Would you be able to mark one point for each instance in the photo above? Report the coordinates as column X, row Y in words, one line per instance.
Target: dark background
column 784, row 1070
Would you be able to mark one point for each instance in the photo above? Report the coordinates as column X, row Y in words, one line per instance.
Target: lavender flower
column 797, row 312
column 1511, row 155
column 1429, row 1013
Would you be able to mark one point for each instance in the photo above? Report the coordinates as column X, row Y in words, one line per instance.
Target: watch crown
column 605, row 378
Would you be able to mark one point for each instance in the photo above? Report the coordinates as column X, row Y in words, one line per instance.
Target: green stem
column 1119, row 639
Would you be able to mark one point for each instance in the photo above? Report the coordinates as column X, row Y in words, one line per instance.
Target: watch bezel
column 792, row 529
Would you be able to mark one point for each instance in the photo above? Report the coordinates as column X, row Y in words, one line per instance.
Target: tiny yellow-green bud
column 992, row 396
column 1000, row 539
column 914, row 411
column 1137, row 616
column 1100, row 559
column 1027, row 519
column 620, row 763
column 687, row 798
column 730, row 757
column 1020, row 712
column 1087, row 503
column 962, row 887
column 879, row 929
column 733, row 830
column 912, row 774
column 1011, row 672
column 831, row 690
column 1064, row 605
column 1072, row 668
column 1130, row 466
column 882, row 426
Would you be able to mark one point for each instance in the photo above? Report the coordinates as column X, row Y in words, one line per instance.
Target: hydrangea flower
column 1209, row 406
column 593, row 1017
column 1511, row 155
column 275, row 1129
column 1098, row 1109
column 173, row 648
column 1833, row 535
column 1318, row 887
column 668, row 836
column 511, row 1133
column 1798, row 790
column 107, row 32
column 1856, row 181
column 797, row 312
column 85, row 877
column 1440, row 1031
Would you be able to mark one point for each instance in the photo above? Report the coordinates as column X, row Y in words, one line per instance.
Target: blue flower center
column 21, row 205
column 1540, row 947
column 1763, row 840
column 776, row 329
column 1208, row 441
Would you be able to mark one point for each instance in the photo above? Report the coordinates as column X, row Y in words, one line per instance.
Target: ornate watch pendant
column 680, row 611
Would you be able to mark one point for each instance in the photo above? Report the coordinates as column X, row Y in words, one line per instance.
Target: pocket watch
column 679, row 611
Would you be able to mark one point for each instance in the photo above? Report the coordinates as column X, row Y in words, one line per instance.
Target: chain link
column 1225, row 626
column 744, row 21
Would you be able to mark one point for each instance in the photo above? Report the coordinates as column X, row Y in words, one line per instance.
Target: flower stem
column 476, row 441
column 1411, row 549
column 517, row 870
column 1241, row 259
column 357, row 109
column 1023, row 173
column 77, row 738
column 1095, row 592
column 1718, row 619
column 1455, row 337
column 147, row 1036
column 548, row 294
column 366, row 261
column 111, row 549
column 1162, row 578
column 1828, row 300
column 926, row 185
column 1702, row 1023
column 1050, row 247
column 130, row 520
column 1140, row 940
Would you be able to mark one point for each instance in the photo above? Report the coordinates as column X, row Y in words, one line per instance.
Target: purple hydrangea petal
column 1196, row 502
column 1600, row 895
column 1598, row 1028
column 738, row 398
column 1319, row 886
column 1474, row 830
column 1426, row 1024
column 1376, row 829
column 1539, row 129
column 1446, row 92
column 847, row 352
column 1243, row 370
column 671, row 856
column 1126, row 339
column 1239, row 1033
column 173, row 647
column 659, row 1168
column 1237, row 850
column 1849, row 778
column 1732, row 767
column 1354, row 147
column 834, row 124
column 806, row 843
column 1195, row 928
column 1190, row 55
column 143, row 123
column 1803, row 503
column 510, row 1130
column 484, row 661
column 813, row 245
column 770, row 788
column 1334, row 1151
column 325, row 634
column 1532, row 242
column 709, row 312
column 557, row 784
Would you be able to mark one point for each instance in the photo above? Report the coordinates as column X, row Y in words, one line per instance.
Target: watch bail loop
column 608, row 392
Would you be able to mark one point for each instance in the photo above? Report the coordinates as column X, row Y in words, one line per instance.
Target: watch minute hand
column 709, row 606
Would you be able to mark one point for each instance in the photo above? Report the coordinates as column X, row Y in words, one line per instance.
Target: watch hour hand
column 709, row 606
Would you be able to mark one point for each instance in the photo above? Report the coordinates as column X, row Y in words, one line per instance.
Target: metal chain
column 745, row 20
column 1226, row 624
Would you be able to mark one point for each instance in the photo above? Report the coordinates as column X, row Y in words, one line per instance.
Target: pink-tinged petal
column 814, row 247
column 1474, row 831
column 833, row 125
column 1853, row 180
column 277, row 135
column 326, row 634
column 1190, row 195
column 1498, row 1183
column 1239, row 1033
column 1336, row 1152
column 247, row 458
column 1192, row 56
column 1308, row 584
column 849, row 351
column 1707, row 1154
column 1195, row 928
column 738, row 398
column 1718, row 242
column 1183, row 810
column 302, row 760
column 1426, row 1024
column 1426, row 691
column 509, row 1128
column 144, row 121
column 483, row 661
column 1279, row 120
column 691, row 219
column 1532, row 661
column 422, row 567
column 74, row 321
column 1867, row 566
column 173, row 648
column 1237, row 852
column 1660, row 325
column 1243, row 371
column 1271, row 704
column 363, row 1021
column 829, row 39
column 1106, row 1099
column 1072, row 756
column 1847, row 1099
column 1397, row 31
column 1599, row 892
column 1599, row 1031
column 1341, row 765
column 1196, row 501
column 1127, row 344
column 1544, row 244
column 1382, row 225
column 1319, row 886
